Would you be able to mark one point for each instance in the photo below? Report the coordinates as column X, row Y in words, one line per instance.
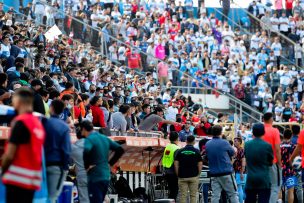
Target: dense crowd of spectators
column 117, row 65
column 91, row 86
column 203, row 47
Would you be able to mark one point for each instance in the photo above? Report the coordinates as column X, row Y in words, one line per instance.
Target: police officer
column 168, row 160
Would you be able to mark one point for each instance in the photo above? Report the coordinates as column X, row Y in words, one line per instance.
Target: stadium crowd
column 117, row 66
column 196, row 49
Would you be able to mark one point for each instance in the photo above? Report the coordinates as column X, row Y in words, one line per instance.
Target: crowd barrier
column 115, row 132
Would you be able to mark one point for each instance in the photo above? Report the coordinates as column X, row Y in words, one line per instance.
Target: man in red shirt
column 173, row 31
column 272, row 136
column 134, row 60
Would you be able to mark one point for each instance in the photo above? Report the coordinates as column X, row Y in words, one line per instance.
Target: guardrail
column 247, row 113
column 115, row 132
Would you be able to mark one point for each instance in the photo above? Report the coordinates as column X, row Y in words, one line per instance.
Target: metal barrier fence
column 246, row 112
column 115, row 132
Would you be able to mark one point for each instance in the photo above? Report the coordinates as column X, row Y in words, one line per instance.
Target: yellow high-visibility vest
column 168, row 157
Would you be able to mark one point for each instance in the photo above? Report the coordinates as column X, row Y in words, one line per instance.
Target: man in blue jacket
column 57, row 148
column 219, row 154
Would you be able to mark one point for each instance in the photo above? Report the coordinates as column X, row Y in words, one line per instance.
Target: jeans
column 276, row 182
column 82, row 186
column 226, row 183
column 98, row 191
column 55, row 179
column 240, row 185
column 299, row 188
column 205, row 192
column 172, row 181
column 263, row 195
column 16, row 194
column 188, row 184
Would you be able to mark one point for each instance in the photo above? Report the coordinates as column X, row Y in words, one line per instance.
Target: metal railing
column 240, row 106
column 247, row 113
column 115, row 132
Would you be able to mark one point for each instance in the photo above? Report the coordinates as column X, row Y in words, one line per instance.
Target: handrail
column 233, row 105
column 115, row 132
column 115, row 39
column 261, row 23
column 232, row 21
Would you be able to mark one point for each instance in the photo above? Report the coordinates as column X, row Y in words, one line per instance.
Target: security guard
column 168, row 164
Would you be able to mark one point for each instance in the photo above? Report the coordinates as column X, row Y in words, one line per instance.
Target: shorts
column 290, row 182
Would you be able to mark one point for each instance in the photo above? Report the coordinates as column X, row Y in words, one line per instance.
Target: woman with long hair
column 107, row 113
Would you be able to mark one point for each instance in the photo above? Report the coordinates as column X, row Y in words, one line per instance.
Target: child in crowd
column 288, row 173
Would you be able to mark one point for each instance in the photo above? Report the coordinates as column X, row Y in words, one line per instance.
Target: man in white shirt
column 284, row 23
column 255, row 40
column 228, row 34
column 172, row 111
column 221, row 82
column 246, row 79
column 127, row 8
column 5, row 48
column 261, row 8
column 276, row 47
column 95, row 17
column 234, row 79
column 275, row 22
column 209, row 39
column 204, row 19
column 285, row 80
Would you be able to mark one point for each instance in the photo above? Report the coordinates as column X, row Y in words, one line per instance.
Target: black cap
column 258, row 129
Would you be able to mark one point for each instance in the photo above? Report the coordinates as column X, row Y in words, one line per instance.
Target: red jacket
column 98, row 117
column 202, row 130
column 77, row 112
column 26, row 168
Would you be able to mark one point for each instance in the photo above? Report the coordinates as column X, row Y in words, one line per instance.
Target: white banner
column 52, row 33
